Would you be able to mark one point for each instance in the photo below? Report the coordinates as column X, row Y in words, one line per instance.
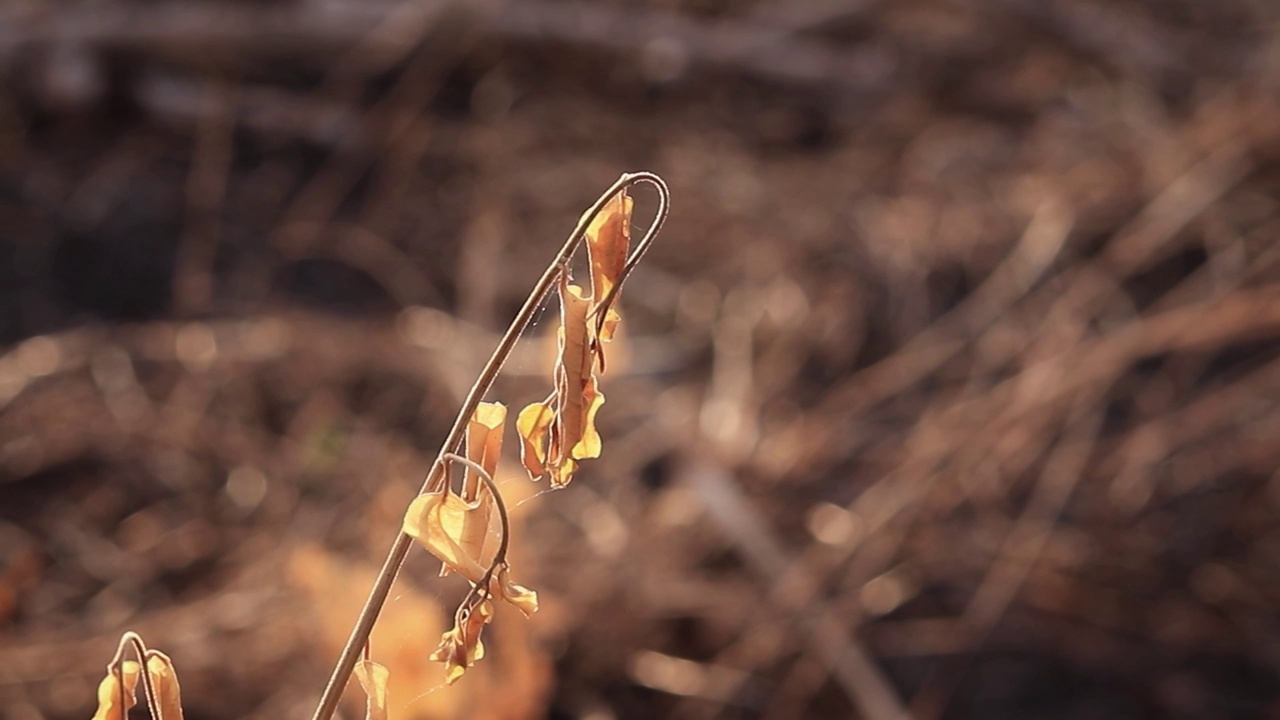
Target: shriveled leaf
column 165, row 681
column 562, row 472
column 484, row 447
column 608, row 328
column 608, row 239
column 589, row 444
column 460, row 646
column 109, row 707
column 373, row 678
column 436, row 521
column 533, row 424
column 575, row 364
column 484, row 436
column 520, row 596
column 559, row 432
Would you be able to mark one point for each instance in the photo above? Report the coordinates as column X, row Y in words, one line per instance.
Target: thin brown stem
column 436, row 477
column 131, row 639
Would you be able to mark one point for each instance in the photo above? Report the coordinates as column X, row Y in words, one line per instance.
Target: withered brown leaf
column 533, row 425
column 373, row 679
column 608, row 240
column 109, row 692
column 164, row 679
column 437, row 521
column 460, row 646
column 556, row 434
column 484, row 447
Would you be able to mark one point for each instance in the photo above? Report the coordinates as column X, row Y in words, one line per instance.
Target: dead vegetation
column 952, row 387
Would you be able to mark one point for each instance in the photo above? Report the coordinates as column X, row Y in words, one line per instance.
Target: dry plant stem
column 133, row 640
column 436, row 477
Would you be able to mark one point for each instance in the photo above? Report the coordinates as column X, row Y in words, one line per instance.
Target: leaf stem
column 436, row 477
column 131, row 639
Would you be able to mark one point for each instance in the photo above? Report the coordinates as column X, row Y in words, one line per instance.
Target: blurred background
column 950, row 390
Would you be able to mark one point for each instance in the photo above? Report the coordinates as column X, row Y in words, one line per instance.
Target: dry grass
column 952, row 385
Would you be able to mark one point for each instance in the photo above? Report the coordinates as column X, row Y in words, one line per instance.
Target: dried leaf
column 605, row 332
column 436, row 521
column 373, row 678
column 560, row 431
column 574, row 378
column 484, row 447
column 460, row 646
column 484, row 436
column 589, row 443
column 533, row 424
column 608, row 239
column 165, row 681
column 109, row 692
column 522, row 597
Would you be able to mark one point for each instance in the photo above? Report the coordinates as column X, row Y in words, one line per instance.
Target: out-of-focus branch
column 667, row 41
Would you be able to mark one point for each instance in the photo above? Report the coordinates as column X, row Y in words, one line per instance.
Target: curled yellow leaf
column 484, row 436
column 608, row 239
column 589, row 443
column 533, row 424
column 562, row 472
column 460, row 646
column 522, row 597
column 109, row 692
column 436, row 521
column 373, row 679
column 484, row 447
column 164, row 679
column 608, row 328
column 557, row 433
column 574, row 370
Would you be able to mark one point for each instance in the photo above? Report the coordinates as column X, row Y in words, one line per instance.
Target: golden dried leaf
column 165, row 681
column 373, row 678
column 559, row 432
column 589, row 443
column 484, row 447
column 520, row 596
column 562, row 472
column 608, row 239
column 574, row 369
column 109, row 692
column 460, row 646
column 608, row 328
column 436, row 521
column 484, row 435
column 533, row 424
